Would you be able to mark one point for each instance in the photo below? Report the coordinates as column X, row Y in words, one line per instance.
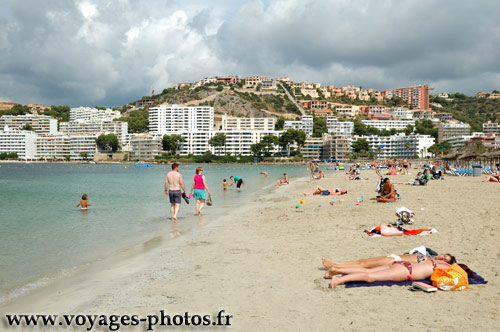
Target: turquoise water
column 42, row 233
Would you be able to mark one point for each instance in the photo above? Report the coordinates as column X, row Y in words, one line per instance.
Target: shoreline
column 142, row 249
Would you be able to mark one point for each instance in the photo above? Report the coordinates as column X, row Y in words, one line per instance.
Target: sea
column 43, row 235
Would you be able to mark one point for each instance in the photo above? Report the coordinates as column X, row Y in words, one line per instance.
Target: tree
column 257, row 150
column 67, row 157
column 219, row 87
column 268, row 142
column 218, row 140
column 27, row 127
column 436, row 148
column 290, row 136
column 319, row 126
column 280, row 123
column 84, row 155
column 361, row 145
column 138, row 121
column 107, row 142
column 171, row 143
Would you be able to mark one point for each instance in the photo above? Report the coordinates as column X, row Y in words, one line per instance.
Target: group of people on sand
column 404, row 267
column 397, row 166
column 199, row 189
column 314, row 168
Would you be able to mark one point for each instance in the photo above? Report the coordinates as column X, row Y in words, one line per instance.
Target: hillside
column 224, row 100
column 472, row 110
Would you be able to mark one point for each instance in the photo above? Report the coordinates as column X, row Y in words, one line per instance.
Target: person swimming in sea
column 84, row 203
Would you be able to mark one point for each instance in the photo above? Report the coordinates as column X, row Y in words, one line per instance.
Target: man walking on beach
column 173, row 185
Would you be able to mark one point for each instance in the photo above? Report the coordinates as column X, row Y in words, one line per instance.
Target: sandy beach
column 262, row 263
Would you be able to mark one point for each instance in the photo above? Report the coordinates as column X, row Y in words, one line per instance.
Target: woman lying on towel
column 397, row 271
column 373, row 262
column 319, row 190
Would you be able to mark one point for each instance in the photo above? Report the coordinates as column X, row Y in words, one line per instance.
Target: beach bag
column 453, row 279
column 209, row 200
column 387, row 230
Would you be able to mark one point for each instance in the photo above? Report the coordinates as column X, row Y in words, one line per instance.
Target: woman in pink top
column 199, row 190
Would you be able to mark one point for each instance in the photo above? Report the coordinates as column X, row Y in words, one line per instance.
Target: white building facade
column 305, row 124
column 118, row 128
column 61, row 146
column 173, row 119
column 21, row 142
column 40, row 124
column 399, row 146
column 93, row 114
column 389, row 124
column 263, row 124
column 339, row 128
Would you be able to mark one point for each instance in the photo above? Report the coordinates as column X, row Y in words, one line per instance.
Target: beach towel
column 475, row 280
column 387, row 230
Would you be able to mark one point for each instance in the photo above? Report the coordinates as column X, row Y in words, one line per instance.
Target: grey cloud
column 52, row 54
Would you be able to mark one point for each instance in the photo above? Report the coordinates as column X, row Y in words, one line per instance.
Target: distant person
column 224, row 185
column 199, row 189
column 326, row 192
column 312, row 167
column 388, row 193
column 173, row 186
column 405, row 166
column 236, row 180
column 495, row 177
column 264, row 173
column 84, row 203
column 284, row 181
column 321, row 175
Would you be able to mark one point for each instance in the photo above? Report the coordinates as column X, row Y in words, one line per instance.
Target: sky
column 109, row 53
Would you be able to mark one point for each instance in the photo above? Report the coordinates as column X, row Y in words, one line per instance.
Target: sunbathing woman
column 370, row 263
column 495, row 177
column 319, row 190
column 397, row 271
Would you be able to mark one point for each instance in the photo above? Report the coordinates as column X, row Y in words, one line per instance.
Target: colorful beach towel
column 475, row 280
column 388, row 230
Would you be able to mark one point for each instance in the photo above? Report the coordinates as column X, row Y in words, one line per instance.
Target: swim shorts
column 175, row 196
column 325, row 193
column 238, row 184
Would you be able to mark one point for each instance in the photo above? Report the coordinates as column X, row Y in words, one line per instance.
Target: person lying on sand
column 319, row 190
column 373, row 262
column 388, row 193
column 495, row 177
column 397, row 271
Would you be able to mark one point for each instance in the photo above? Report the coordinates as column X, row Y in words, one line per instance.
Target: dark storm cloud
column 111, row 52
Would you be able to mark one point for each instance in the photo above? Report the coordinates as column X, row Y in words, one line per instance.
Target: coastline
column 262, row 263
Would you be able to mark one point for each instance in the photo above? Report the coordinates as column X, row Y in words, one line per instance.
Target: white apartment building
column 490, row 128
column 452, row 129
column 173, row 119
column 399, row 145
column 306, row 124
column 347, row 111
column 21, row 142
column 238, row 142
column 339, row 128
column 389, row 124
column 206, row 80
column 60, row 146
column 400, row 113
column 145, row 146
column 119, row 128
column 41, row 124
column 233, row 123
column 89, row 113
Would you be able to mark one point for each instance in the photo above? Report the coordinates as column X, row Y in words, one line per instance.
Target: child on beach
column 224, row 185
column 84, row 203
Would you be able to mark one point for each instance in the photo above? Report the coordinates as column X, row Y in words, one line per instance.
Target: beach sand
column 262, row 264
